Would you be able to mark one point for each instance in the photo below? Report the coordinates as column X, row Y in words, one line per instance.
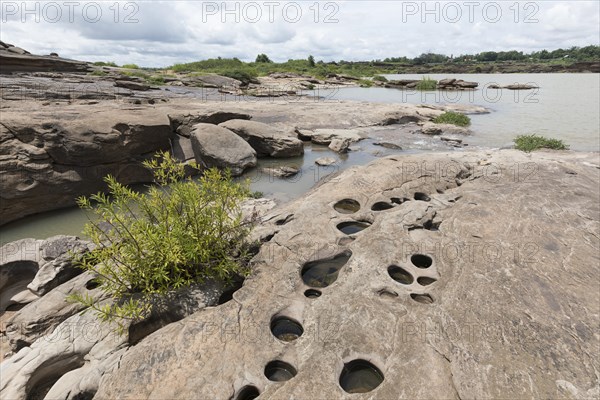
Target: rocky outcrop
column 430, row 128
column 448, row 272
column 48, row 160
column 444, row 84
column 215, row 146
column 30, row 268
column 326, row 136
column 183, row 124
column 14, row 59
column 266, row 140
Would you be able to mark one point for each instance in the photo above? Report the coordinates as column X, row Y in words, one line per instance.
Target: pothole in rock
column 347, row 206
column 421, row 196
column 360, row 376
column 92, row 284
column 248, row 393
column 312, row 293
column 352, row 227
column 48, row 374
column 425, row 280
column 322, row 273
column 285, row 220
column 400, row 275
column 422, row 298
column 286, row 329
column 279, row 371
column 381, row 206
column 421, row 261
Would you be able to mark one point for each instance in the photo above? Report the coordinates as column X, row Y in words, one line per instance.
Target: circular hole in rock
column 92, row 284
column 360, row 376
column 352, row 227
column 347, row 206
column 422, row 298
column 400, row 275
column 421, row 261
column 312, row 293
column 248, row 393
column 286, row 329
column 421, row 196
column 425, row 280
column 322, row 273
column 279, row 371
column 381, row 206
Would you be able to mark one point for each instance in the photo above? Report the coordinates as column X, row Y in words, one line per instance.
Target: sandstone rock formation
column 266, row 140
column 15, row 59
column 413, row 277
column 215, row 146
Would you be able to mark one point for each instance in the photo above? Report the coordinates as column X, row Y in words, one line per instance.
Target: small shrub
column 98, row 73
column 529, row 143
column 365, row 83
column 151, row 244
column 380, row 78
column 130, row 66
column 453, row 118
column 427, row 84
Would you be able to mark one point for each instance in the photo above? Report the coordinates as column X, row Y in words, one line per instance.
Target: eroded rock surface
column 471, row 276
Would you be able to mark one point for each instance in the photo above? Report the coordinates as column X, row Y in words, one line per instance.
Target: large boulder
column 183, row 124
column 215, row 146
column 466, row 281
column 266, row 140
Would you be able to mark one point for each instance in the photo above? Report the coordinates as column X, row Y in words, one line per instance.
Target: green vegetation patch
column 530, row 143
column 148, row 245
column 105, row 64
column 427, row 84
column 130, row 66
column 453, row 118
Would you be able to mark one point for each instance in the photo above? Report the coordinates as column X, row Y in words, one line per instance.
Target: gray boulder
column 183, row 124
column 215, row 146
column 266, row 140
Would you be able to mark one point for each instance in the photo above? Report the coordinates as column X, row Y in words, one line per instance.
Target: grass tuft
column 427, row 84
column 453, row 118
column 530, row 143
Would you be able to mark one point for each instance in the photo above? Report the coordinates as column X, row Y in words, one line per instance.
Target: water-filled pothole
column 286, row 329
column 425, row 280
column 352, row 227
column 422, row 196
column 248, row 393
column 422, row 298
column 421, row 261
column 322, row 273
column 360, row 376
column 381, row 206
column 347, row 206
column 279, row 371
column 400, row 275
column 312, row 293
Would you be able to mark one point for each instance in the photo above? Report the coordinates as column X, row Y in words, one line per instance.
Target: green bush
column 130, row 66
column 150, row 244
column 98, row 73
column 427, row 84
column 105, row 64
column 244, row 76
column 453, row 118
column 380, row 78
column 365, row 83
column 529, row 143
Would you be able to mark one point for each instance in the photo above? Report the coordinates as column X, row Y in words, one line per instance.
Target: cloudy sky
column 155, row 34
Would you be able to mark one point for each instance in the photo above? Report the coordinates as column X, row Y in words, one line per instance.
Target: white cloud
column 179, row 31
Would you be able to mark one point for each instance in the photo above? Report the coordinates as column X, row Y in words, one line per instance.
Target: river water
column 566, row 106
